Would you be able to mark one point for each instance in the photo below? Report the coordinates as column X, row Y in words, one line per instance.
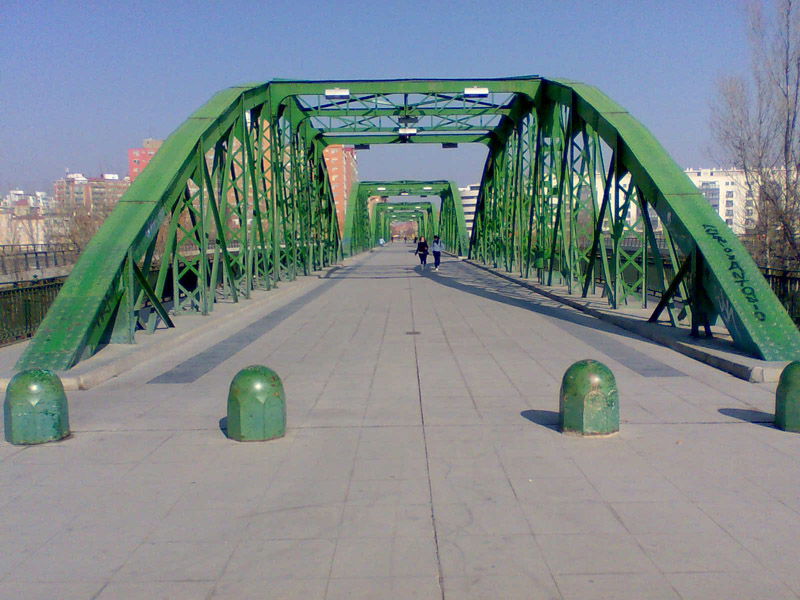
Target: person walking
column 436, row 247
column 422, row 251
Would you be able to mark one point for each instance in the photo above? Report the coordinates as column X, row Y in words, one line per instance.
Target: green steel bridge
column 238, row 198
column 365, row 226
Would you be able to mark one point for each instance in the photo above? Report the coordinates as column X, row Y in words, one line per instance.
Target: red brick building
column 343, row 171
column 139, row 157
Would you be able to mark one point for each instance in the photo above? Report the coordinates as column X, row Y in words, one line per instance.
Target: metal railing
column 23, row 305
column 19, row 258
column 786, row 285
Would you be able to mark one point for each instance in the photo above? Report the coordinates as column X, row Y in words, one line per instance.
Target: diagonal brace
column 670, row 291
column 151, row 295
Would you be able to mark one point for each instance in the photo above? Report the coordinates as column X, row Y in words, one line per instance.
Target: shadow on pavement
column 545, row 418
column 602, row 336
column 368, row 272
column 759, row 417
column 505, row 292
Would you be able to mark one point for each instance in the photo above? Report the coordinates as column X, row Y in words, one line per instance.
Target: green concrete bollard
column 256, row 405
column 35, row 408
column 589, row 401
column 787, row 399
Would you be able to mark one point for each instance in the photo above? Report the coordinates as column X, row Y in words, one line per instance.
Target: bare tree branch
column 755, row 125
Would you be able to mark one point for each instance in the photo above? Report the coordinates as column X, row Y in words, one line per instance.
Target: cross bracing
column 574, row 191
column 368, row 222
column 428, row 114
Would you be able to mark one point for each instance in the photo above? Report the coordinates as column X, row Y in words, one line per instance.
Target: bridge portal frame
column 365, row 224
column 240, row 197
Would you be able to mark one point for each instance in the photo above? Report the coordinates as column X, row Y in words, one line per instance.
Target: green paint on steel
column 366, row 222
column 241, row 197
column 256, row 405
column 566, row 197
column 35, row 408
column 730, row 278
column 589, row 400
column 787, row 399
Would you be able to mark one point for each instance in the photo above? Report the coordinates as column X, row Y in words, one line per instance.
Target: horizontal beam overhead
column 394, row 188
column 386, row 138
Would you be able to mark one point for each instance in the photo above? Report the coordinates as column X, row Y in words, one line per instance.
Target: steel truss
column 576, row 192
column 237, row 199
column 367, row 222
column 573, row 192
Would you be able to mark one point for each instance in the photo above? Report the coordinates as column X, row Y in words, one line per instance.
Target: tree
column 755, row 125
column 83, row 223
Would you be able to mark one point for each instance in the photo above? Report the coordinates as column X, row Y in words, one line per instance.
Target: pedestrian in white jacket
column 436, row 247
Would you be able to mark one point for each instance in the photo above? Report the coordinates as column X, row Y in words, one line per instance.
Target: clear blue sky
column 81, row 82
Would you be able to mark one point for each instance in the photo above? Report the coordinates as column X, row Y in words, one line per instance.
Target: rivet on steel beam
column 589, row 401
column 256, row 405
column 787, row 399
column 35, row 408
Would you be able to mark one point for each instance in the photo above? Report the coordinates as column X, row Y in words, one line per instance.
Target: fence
column 786, row 285
column 18, row 258
column 23, row 306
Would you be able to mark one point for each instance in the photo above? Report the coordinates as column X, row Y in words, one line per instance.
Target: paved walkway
column 421, row 461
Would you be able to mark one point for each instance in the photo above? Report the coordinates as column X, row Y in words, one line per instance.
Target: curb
column 749, row 369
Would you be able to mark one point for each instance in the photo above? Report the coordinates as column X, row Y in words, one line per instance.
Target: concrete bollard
column 35, row 409
column 589, row 401
column 256, row 405
column 787, row 399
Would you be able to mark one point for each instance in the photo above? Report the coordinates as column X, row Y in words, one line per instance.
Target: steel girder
column 367, row 222
column 238, row 197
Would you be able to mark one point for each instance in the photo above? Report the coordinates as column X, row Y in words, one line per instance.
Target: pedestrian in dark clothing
column 437, row 248
column 422, row 251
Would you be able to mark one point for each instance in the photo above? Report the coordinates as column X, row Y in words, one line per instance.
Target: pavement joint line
column 143, row 355
column 737, row 422
column 360, row 431
column 749, row 369
column 425, row 444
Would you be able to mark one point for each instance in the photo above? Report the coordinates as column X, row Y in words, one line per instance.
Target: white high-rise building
column 469, row 199
column 726, row 191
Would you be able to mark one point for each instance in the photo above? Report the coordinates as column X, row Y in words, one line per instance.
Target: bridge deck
column 421, row 461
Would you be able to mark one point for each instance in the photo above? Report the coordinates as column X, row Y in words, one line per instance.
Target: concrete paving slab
column 421, row 465
column 611, row 586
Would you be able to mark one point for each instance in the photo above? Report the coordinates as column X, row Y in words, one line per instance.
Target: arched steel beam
column 241, row 196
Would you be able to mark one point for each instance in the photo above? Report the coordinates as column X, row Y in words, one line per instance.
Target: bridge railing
column 786, row 285
column 23, row 305
column 18, row 258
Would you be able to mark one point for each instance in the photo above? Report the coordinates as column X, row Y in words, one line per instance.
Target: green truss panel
column 364, row 227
